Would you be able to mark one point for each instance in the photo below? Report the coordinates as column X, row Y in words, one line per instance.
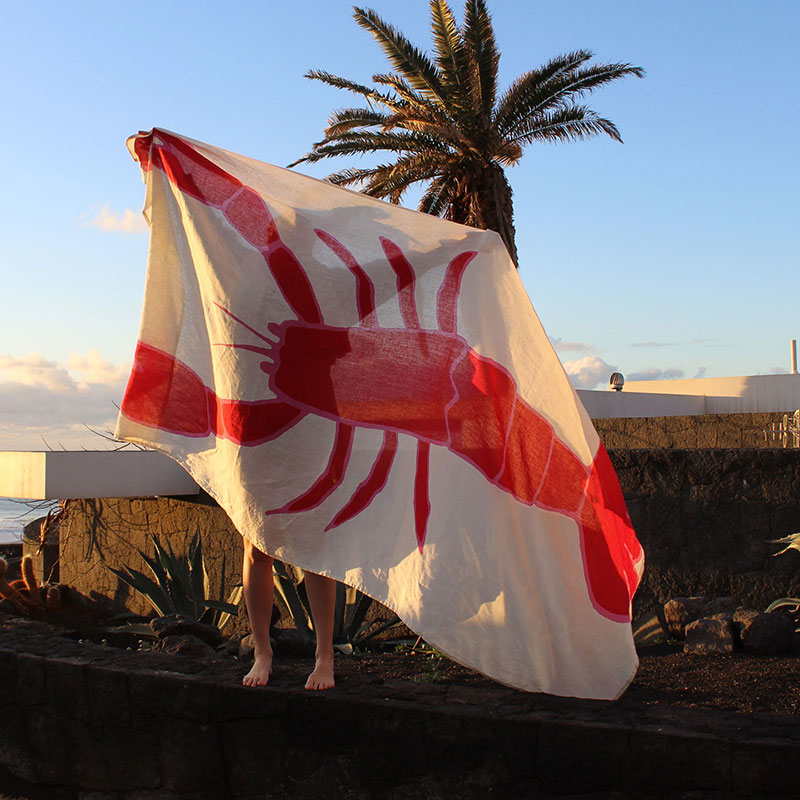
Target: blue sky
column 674, row 254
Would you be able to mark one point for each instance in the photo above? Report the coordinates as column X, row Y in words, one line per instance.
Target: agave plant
column 792, row 542
column 350, row 627
column 790, row 605
column 180, row 584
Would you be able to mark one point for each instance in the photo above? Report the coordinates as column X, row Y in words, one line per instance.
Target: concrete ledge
column 71, row 727
column 89, row 473
column 743, row 394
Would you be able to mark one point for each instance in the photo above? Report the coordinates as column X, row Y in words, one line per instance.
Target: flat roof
column 56, row 475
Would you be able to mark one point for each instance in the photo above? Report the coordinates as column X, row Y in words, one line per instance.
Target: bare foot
column 260, row 671
column 322, row 676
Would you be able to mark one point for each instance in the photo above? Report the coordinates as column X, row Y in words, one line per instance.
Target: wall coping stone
column 179, row 735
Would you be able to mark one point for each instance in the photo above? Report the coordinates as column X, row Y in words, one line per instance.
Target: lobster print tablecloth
column 369, row 394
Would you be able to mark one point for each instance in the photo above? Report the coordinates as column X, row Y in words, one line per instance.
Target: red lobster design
column 463, row 401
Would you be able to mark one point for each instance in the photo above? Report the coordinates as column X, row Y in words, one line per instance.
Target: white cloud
column 589, row 371
column 563, row 346
column 42, row 399
column 105, row 219
column 93, row 369
column 655, row 374
column 33, row 370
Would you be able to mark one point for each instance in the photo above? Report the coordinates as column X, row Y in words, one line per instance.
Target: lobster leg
column 365, row 289
column 244, row 209
column 406, row 282
column 422, row 503
column 371, row 485
column 329, row 480
column 447, row 298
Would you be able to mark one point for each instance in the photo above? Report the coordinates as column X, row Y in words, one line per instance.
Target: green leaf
column 792, row 541
column 361, row 634
column 234, row 598
column 160, row 574
column 198, row 576
column 783, row 602
column 136, row 628
column 148, row 588
column 179, row 587
column 339, row 611
column 289, row 593
column 358, row 611
column 220, row 605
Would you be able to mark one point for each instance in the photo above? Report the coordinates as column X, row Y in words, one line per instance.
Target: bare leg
column 258, row 595
column 322, row 597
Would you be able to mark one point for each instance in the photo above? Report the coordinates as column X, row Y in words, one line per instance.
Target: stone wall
column 704, row 517
column 109, row 532
column 75, row 727
column 703, row 431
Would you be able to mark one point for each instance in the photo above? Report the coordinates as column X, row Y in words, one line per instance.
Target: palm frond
column 347, row 119
column 581, row 81
column 393, row 180
column 406, row 59
column 339, row 83
column 369, row 92
column 451, row 58
column 439, row 195
column 441, row 119
column 411, row 97
column 446, row 133
column 569, row 123
column 558, row 84
column 350, row 176
column 532, row 90
column 481, row 50
column 361, row 142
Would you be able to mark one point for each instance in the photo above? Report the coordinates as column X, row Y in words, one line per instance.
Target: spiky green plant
column 180, row 584
column 442, row 122
column 792, row 542
column 350, row 627
column 790, row 605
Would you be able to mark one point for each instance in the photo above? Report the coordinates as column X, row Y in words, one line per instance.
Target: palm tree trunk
column 496, row 207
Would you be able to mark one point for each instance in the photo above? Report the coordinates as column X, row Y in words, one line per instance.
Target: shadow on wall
column 705, row 517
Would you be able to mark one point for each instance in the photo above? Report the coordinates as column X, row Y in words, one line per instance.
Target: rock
column 719, row 607
column 743, row 615
column 767, row 634
column 187, row 646
column 708, row 636
column 288, row 641
column 680, row 611
column 183, row 625
column 247, row 647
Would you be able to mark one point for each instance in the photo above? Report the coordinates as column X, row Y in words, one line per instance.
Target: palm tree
column 443, row 123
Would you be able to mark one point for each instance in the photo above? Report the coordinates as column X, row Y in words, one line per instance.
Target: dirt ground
column 738, row 682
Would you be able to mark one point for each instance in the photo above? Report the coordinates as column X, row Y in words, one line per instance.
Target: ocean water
column 15, row 515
